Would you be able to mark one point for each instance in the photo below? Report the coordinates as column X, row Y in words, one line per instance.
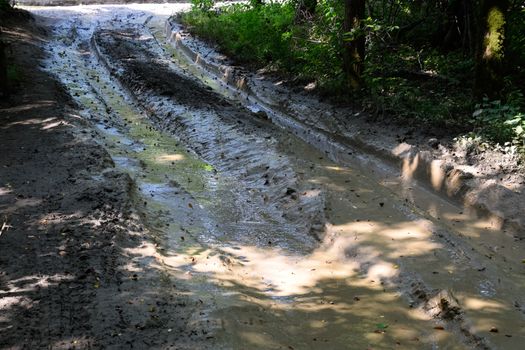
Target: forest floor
column 141, row 208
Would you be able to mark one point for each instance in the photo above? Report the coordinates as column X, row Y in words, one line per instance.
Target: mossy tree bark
column 490, row 53
column 354, row 42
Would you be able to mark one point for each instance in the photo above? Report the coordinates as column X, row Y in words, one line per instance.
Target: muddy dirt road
column 272, row 244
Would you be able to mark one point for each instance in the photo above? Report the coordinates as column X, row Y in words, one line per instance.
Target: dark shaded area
column 67, row 279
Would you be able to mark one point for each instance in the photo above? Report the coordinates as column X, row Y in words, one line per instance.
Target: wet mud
column 273, row 245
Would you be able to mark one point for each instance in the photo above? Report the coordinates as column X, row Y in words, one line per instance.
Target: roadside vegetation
column 455, row 65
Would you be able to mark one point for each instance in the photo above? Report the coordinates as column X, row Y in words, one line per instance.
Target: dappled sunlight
column 55, row 124
column 258, row 339
column 168, row 158
column 476, row 303
column 392, row 241
column 18, row 293
column 35, row 121
column 20, row 203
column 409, row 169
column 286, row 281
column 31, row 283
column 29, row 106
column 472, row 226
column 55, row 218
column 338, row 169
column 487, row 224
column 5, row 191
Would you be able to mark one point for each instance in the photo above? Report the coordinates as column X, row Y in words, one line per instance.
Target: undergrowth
column 408, row 81
column 266, row 35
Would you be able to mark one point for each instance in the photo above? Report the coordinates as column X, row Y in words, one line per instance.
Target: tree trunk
column 354, row 48
column 490, row 48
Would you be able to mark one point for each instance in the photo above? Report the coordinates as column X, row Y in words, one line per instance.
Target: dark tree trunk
column 354, row 49
column 490, row 50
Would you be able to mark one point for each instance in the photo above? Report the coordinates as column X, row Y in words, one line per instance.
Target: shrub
column 500, row 122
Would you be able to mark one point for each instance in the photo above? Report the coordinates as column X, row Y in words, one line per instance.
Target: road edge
column 411, row 163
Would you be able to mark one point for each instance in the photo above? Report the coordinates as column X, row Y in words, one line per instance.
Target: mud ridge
column 265, row 174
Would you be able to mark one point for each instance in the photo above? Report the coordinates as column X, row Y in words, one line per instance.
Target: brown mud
column 201, row 224
column 73, row 272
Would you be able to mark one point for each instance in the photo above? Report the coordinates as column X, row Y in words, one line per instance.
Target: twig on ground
column 5, row 227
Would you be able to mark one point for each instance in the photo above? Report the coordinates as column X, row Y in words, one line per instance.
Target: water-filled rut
column 279, row 246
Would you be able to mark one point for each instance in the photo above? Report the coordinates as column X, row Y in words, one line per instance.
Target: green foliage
column 500, row 122
column 419, row 65
column 421, row 86
column 202, row 5
column 250, row 34
column 266, row 35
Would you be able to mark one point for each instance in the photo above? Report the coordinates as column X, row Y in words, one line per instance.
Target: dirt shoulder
column 487, row 181
column 73, row 252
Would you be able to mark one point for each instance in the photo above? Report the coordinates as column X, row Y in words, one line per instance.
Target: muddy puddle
column 282, row 247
